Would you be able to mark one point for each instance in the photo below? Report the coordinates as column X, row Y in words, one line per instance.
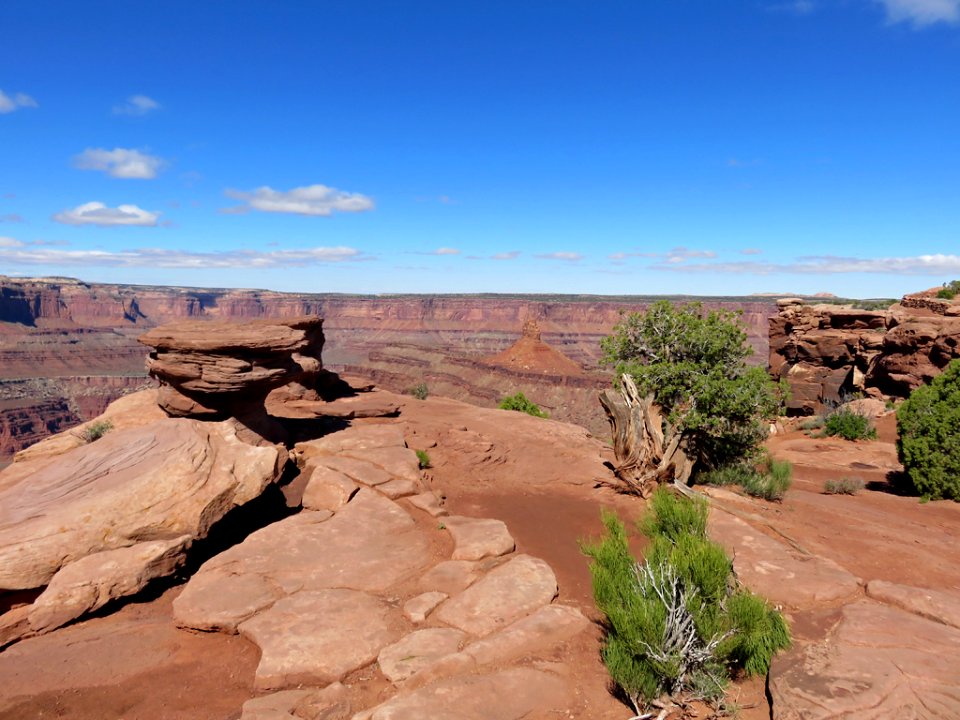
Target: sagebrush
column 850, row 424
column 843, row 486
column 768, row 479
column 520, row 403
column 678, row 623
column 96, row 430
column 420, row 391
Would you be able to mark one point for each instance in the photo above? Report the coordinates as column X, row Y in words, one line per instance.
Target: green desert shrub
column 678, row 623
column 420, row 391
column 520, row 403
column 847, row 423
column 843, row 486
column 96, row 430
column 424, row 459
column 949, row 291
column 928, row 429
column 769, row 479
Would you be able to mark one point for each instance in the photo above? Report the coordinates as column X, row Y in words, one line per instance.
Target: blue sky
column 663, row 146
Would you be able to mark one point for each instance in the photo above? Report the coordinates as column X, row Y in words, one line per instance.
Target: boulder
column 220, row 368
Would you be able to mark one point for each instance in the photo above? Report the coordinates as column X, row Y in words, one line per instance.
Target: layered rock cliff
column 58, row 328
column 826, row 352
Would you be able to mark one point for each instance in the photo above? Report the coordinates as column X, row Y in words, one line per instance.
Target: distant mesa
column 531, row 354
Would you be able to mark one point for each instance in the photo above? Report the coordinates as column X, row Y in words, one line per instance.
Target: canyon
column 68, row 348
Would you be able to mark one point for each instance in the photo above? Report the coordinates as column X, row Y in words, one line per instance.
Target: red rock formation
column 60, row 328
column 826, row 351
column 530, row 354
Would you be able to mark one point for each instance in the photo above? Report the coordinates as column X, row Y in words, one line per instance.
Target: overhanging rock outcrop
column 223, row 369
column 826, row 352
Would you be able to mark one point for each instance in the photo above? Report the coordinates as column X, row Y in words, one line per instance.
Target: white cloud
column 8, row 104
column 751, row 251
column 120, row 163
column 446, row 251
column 567, row 256
column 9, row 242
column 136, row 105
column 937, row 265
column 183, row 259
column 96, row 213
column 319, row 200
column 512, row 255
column 921, row 13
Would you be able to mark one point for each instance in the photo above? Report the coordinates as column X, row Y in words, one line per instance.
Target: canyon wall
column 828, row 352
column 60, row 329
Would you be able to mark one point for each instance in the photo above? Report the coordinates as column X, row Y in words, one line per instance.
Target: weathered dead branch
column 647, row 456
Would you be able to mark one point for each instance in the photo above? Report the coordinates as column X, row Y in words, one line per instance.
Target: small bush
column 769, row 480
column 96, row 430
column 519, row 403
column 424, row 459
column 814, row 423
column 949, row 291
column 678, row 623
column 843, row 486
column 849, row 424
column 928, row 426
column 420, row 391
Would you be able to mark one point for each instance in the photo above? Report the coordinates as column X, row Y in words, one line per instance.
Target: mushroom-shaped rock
column 214, row 368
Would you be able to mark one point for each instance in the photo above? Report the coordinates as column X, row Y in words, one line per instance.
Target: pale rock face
column 159, row 481
column 878, row 661
column 417, row 650
column 477, row 538
column 507, row 593
column 317, row 637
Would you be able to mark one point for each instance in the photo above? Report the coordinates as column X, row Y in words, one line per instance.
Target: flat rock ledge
column 368, row 581
column 99, row 521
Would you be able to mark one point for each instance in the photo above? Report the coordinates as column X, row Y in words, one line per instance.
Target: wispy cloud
column 10, row 103
column 566, row 256
column 441, row 251
column 796, row 7
column 939, row 264
column 751, row 251
column 512, row 255
column 20, row 253
column 96, row 213
column 120, row 163
column 136, row 105
column 9, row 242
column 317, row 200
column 674, row 256
column 11, row 218
column 741, row 163
column 921, row 13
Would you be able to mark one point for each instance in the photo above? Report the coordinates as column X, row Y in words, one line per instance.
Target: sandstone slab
column 329, row 703
column 429, row 503
column 401, row 462
column 360, row 471
column 451, row 576
column 92, row 581
column 878, row 662
column 477, row 538
column 416, row 609
column 507, row 695
column 776, row 571
column 507, row 593
column 317, row 637
column 219, row 600
column 399, row 488
column 159, row 481
column 370, row 544
column 360, row 437
column 327, row 489
column 417, row 650
column 937, row 605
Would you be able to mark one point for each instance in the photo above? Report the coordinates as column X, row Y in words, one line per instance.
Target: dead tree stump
column 649, row 451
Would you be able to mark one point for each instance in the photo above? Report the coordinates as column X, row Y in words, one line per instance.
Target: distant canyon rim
column 68, row 348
